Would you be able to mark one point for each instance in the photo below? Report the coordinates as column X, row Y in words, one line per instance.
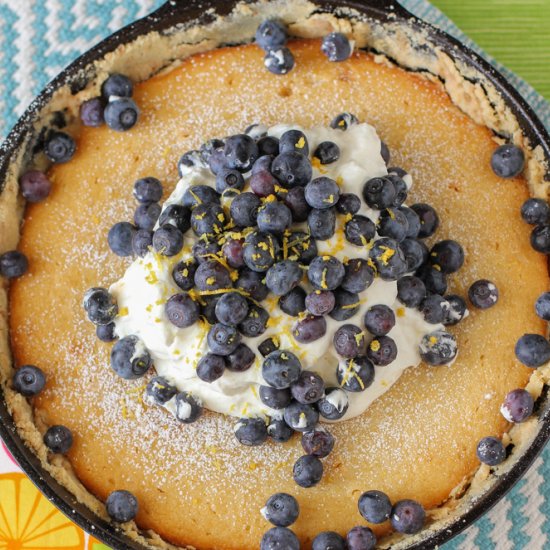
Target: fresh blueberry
column 429, row 220
column 389, row 259
column 91, row 112
column 448, row 255
column 334, row 405
column 208, row 308
column 320, row 302
column 181, row 310
column 120, row 238
column 349, row 341
column 301, row 417
column 223, row 339
column 147, row 190
column 361, row 538
column 100, row 306
column 379, row 320
column 190, row 159
column 255, row 322
column 326, row 273
column 336, row 46
column 275, row 398
column 309, row 329
column 434, row 280
column 117, row 85
column 407, row 516
column 231, row 308
column 434, row 309
column 241, row 152
column 188, row 409
column 456, row 311
column 329, row 540
column 359, row 275
column 253, row 284
column 206, row 250
column 271, row 34
column 292, row 169
column 542, row 306
column 438, row 348
column 28, row 380
column 294, row 140
column 300, row 247
column 121, row 114
column 491, row 451
column 518, row 406
column 280, row 538
column 35, row 186
column 274, row 217
column 263, row 183
column 410, row 291
column 122, row 506
column 279, row 61
column 318, row 443
column 168, row 240
column 401, row 192
column 159, row 391
column 283, row 276
column 535, row 211
column 229, row 179
column 262, row 164
column 281, row 509
column 394, row 224
column 184, row 273
column 260, row 250
column 279, row 430
column 106, row 333
column 349, row 203
column 13, row 264
column 308, row 471
column 413, row 221
column 129, row 358
column 212, row 275
column 58, row 439
column 208, row 148
column 308, row 389
column 416, row 253
column 198, row 195
column 382, row 351
column 327, row 152
column 244, row 209
column 540, row 238
column 268, row 345
column 508, row 161
column 322, row 193
column 294, row 302
column 385, row 152
column 147, row 215
column 356, row 374
column 268, row 145
column 210, row 367
column 360, row 230
column 346, row 305
column 375, row 506
column 281, row 369
column 59, row 147
column 322, row 223
column 483, row 294
column 533, row 350
column 218, row 163
column 379, row 193
column 241, row 359
column 296, row 201
column 251, row 431
column 208, row 220
column 343, row 121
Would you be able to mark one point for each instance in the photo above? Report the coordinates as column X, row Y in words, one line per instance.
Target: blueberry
column 456, row 311
column 343, row 121
column 271, row 34
column 300, row 247
column 518, row 406
column 13, row 264
column 208, row 148
column 322, row 193
column 535, row 211
column 208, row 220
column 294, row 140
column 121, row 114
column 234, row 252
column 159, row 391
column 223, row 339
column 188, row 409
column 389, row 259
column 542, row 306
column 379, row 320
column 229, row 179
column 375, row 506
column 120, row 238
column 360, row 230
column 540, row 238
column 35, row 186
column 296, row 201
column 181, row 310
column 263, row 183
column 217, row 162
column 394, row 224
column 231, row 308
column 210, row 367
column 184, row 273
column 359, row 275
column 385, row 152
column 508, row 161
column 206, row 250
column 244, row 209
column 177, row 215
column 336, row 46
column 429, row 220
column 147, row 215
column 329, row 540
column 326, row 272
column 416, row 253
column 122, row 506
column 379, row 193
column 413, row 220
column 407, row 516
column 106, row 333
column 308, row 389
column 91, row 112
column 318, row 443
column 490, row 451
column 438, row 348
column 322, row 223
column 334, row 405
column 148, row 190
column 382, row 351
column 59, row 147
column 309, row 329
column 253, row 284
column 129, row 358
column 401, row 191
column 283, row 276
column 483, row 294
column 117, row 85
column 274, row 217
column 434, row 309
column 58, row 439
column 320, row 302
column 356, row 374
column 241, row 359
column 281, row 369
column 294, row 302
column 268, row 145
column 275, row 398
column 434, row 280
column 327, row 152
column 279, row 430
column 346, row 305
column 349, row 203
column 396, row 171
column 308, row 471
column 361, row 538
column 268, row 345
column 279, row 61
column 197, row 195
column 100, row 306
column 255, row 322
column 28, row 380
column 349, row 341
column 241, row 152
column 208, row 308
column 281, row 509
column 190, row 159
column 262, row 164
column 410, row 291
column 260, row 250
column 280, row 538
column 301, row 417
column 251, row 431
column 168, row 240
column 533, row 350
column 448, row 255
column 292, row 169
column 212, row 275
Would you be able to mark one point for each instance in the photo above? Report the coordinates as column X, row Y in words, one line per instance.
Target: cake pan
column 186, row 12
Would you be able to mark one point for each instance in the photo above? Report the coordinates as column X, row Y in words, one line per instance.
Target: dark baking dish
column 176, row 12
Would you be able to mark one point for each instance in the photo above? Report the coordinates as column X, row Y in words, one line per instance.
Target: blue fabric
column 39, row 37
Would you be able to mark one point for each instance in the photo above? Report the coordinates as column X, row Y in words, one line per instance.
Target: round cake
column 195, row 484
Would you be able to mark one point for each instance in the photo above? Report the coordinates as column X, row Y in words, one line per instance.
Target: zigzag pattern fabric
column 40, row 37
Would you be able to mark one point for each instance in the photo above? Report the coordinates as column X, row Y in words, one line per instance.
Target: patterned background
column 39, row 37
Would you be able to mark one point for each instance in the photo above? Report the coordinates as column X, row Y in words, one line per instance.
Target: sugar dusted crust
column 257, row 472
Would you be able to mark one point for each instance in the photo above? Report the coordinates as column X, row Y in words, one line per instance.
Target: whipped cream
column 147, row 284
